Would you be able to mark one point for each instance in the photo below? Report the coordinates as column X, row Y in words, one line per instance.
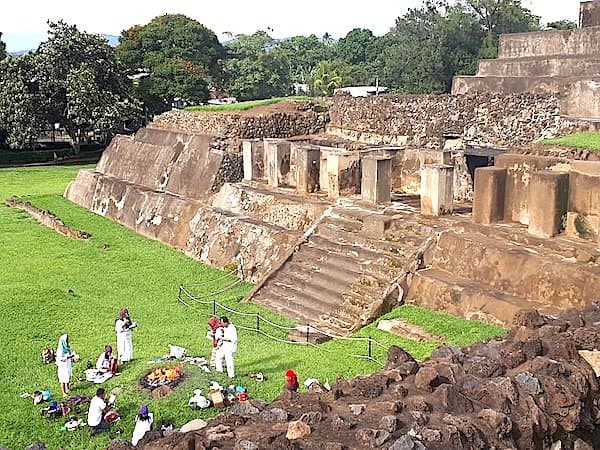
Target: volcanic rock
column 297, row 430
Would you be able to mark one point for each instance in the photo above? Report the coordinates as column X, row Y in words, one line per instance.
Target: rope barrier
column 310, row 329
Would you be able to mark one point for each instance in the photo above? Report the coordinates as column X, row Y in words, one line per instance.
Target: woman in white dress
column 143, row 424
column 64, row 361
column 123, row 326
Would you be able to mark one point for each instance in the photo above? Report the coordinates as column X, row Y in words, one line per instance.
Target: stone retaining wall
column 489, row 120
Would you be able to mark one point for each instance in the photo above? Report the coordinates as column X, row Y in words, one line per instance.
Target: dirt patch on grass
column 400, row 327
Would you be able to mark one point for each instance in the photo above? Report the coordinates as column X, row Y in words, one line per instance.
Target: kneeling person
column 98, row 408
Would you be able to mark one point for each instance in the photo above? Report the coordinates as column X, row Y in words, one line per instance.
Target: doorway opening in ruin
column 476, row 161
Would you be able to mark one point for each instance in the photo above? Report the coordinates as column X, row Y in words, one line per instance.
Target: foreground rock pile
column 530, row 390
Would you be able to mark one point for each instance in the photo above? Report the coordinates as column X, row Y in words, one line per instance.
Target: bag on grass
column 48, row 355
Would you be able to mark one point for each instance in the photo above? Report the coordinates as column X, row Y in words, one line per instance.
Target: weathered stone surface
column 407, row 443
column 421, row 121
column 244, row 444
column 548, row 203
column 372, row 438
column 427, row 378
column 297, row 429
column 193, row 425
column 274, row 415
column 488, row 196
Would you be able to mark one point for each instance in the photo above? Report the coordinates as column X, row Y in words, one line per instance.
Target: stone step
column 513, row 85
column 579, row 41
column 330, row 289
column 381, row 268
column 387, row 248
column 516, row 270
column 540, row 66
column 565, row 249
column 438, row 290
column 297, row 298
column 287, row 304
column 353, row 251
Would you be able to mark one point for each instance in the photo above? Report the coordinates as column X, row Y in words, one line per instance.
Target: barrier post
column 307, row 333
column 370, row 347
column 214, row 307
column 257, row 322
column 179, row 295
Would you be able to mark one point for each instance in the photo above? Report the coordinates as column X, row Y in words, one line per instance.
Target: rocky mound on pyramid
column 533, row 389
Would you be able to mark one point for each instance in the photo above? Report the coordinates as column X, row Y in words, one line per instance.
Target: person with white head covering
column 64, row 362
column 123, row 327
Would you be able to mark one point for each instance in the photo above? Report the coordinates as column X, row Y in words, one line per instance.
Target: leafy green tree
column 255, row 70
column 500, row 17
column 173, row 56
column 564, row 24
column 324, row 79
column 301, row 54
column 84, row 85
column 357, row 47
column 22, row 107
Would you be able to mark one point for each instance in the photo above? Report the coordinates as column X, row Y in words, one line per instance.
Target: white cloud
column 236, row 16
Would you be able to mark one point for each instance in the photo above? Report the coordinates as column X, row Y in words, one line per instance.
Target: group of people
column 107, row 362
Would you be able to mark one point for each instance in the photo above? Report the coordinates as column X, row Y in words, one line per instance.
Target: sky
column 23, row 23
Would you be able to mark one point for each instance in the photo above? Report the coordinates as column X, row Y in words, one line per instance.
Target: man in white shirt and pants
column 98, row 408
column 228, row 347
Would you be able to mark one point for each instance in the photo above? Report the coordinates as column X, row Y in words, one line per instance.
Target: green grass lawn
column 39, row 266
column 244, row 106
column 580, row 140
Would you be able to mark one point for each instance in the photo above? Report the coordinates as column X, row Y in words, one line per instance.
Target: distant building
column 361, row 91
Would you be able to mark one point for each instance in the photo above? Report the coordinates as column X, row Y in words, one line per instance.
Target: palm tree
column 324, row 79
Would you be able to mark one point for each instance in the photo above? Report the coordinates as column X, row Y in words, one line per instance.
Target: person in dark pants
column 98, row 408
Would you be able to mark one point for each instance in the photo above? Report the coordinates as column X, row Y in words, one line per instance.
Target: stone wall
column 421, row 120
column 235, row 126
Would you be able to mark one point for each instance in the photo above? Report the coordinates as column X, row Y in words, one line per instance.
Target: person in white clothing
column 228, row 347
column 123, row 327
column 143, row 424
column 98, row 408
column 64, row 362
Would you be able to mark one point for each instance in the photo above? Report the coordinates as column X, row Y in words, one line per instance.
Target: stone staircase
column 336, row 280
column 491, row 272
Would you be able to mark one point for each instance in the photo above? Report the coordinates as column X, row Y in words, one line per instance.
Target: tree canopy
column 172, row 56
column 254, row 70
column 74, row 79
column 2, row 48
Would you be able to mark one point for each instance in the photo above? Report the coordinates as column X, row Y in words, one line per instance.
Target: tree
column 172, row 56
column 301, row 54
column 81, row 83
column 22, row 107
column 500, row 17
column 564, row 24
column 325, row 79
column 357, row 47
column 255, row 70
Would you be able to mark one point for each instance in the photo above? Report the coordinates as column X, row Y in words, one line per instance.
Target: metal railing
column 261, row 324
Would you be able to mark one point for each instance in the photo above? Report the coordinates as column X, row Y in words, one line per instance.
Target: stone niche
column 437, row 189
column 306, row 167
column 340, row 172
column 547, row 195
column 277, row 161
column 376, row 185
column 254, row 159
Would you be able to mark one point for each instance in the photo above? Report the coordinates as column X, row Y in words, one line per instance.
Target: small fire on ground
column 163, row 376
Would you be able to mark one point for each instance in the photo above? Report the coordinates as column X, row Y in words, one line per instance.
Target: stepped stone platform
column 491, row 272
column 561, row 62
column 343, row 274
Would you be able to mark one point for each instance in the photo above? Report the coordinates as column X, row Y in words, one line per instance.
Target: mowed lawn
column 50, row 285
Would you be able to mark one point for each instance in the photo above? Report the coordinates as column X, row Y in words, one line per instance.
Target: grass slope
column 244, row 106
column 39, row 266
column 580, row 140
